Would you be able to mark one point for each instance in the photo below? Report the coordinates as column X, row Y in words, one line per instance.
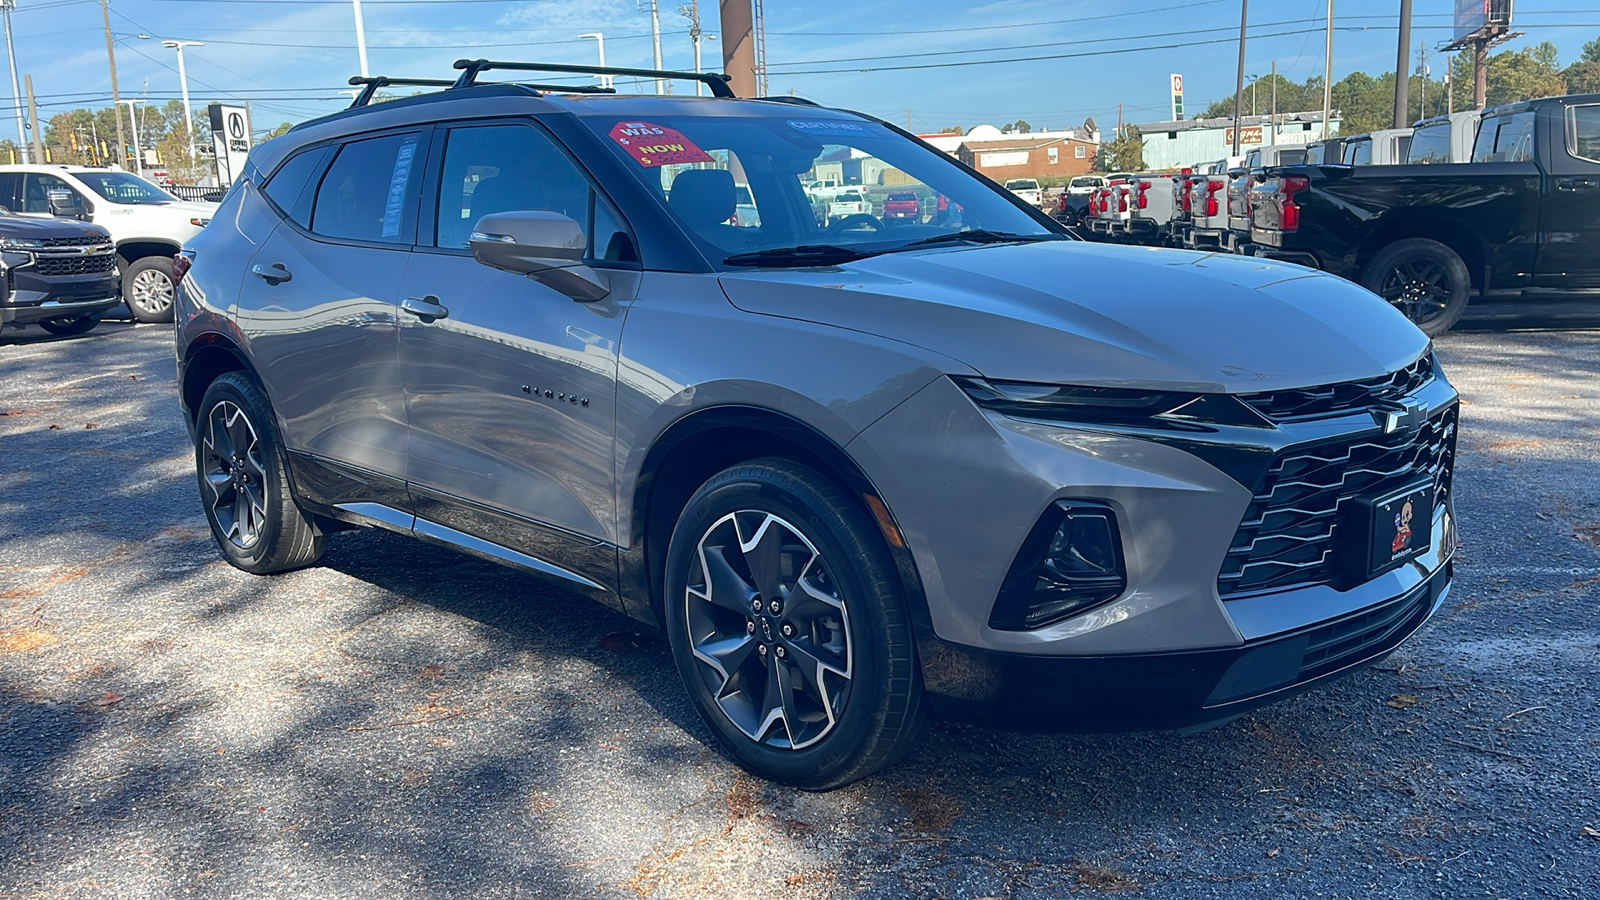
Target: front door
column 1569, row 218
column 319, row 307
column 510, row 389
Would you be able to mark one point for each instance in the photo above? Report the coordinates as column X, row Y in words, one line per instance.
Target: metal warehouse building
column 1173, row 145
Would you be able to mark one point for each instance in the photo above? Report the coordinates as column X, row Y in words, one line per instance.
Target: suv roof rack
column 373, row 83
column 470, row 69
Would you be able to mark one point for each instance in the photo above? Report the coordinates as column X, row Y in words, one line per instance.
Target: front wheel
column 789, row 628
column 149, row 288
column 74, row 325
column 244, row 484
column 1425, row 280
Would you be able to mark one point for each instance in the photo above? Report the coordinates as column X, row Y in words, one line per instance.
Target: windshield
column 1085, row 182
column 700, row 164
column 120, row 187
column 1022, row 184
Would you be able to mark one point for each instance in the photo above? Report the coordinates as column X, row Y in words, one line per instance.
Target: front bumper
column 34, row 298
column 1173, row 650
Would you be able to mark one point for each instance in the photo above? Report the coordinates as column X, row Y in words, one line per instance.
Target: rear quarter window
column 1583, row 132
column 292, row 187
column 365, row 195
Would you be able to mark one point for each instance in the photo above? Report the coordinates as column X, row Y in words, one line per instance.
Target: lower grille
column 1287, row 537
column 1366, row 634
column 74, row 265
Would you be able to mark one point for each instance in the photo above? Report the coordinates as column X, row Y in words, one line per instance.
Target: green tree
column 1126, row 153
column 1525, row 74
column 1583, row 76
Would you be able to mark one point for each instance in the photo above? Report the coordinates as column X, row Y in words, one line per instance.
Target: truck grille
column 1307, row 403
column 88, row 240
column 1287, row 536
column 73, row 265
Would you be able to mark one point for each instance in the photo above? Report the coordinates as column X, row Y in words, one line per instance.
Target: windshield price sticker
column 653, row 146
column 827, row 126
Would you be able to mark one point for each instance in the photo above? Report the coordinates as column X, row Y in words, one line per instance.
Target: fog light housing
column 1070, row 562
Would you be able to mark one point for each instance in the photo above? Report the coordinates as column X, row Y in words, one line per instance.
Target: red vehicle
column 902, row 205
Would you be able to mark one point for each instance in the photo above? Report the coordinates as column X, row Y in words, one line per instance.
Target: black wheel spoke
column 765, row 558
column 725, row 587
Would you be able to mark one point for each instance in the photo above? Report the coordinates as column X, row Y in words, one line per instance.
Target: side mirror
column 64, row 204
column 545, row 246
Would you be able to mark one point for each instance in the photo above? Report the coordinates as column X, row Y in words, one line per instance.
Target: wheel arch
column 208, row 356
column 707, row 441
column 133, row 250
column 1449, row 232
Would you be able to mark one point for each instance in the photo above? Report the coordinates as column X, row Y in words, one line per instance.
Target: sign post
column 230, row 139
column 1177, row 97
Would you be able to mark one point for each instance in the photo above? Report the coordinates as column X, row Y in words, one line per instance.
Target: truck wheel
column 77, row 325
column 1424, row 279
column 789, row 627
column 148, row 287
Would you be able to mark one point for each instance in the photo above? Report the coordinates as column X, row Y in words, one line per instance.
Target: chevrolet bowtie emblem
column 1405, row 419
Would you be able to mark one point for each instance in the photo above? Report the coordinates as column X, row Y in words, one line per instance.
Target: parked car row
column 1515, row 214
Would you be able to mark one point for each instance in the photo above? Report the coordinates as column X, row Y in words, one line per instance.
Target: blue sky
column 289, row 57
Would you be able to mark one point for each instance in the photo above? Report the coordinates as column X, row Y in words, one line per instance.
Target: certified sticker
column 653, row 145
column 827, row 126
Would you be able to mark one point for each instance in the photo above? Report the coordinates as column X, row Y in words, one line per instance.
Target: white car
column 147, row 224
column 1027, row 189
column 849, row 203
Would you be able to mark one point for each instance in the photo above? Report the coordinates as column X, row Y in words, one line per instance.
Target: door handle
column 274, row 274
column 1577, row 184
column 425, row 308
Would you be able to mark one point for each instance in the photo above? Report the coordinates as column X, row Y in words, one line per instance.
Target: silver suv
column 858, row 472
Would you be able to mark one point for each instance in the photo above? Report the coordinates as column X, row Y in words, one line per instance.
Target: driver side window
column 36, row 192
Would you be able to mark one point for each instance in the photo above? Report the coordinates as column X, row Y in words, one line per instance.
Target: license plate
column 1402, row 528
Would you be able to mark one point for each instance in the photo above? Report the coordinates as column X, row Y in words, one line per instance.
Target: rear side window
column 1291, row 157
column 1583, row 132
column 1360, row 154
column 1505, row 139
column 1430, row 145
column 365, row 195
column 291, row 188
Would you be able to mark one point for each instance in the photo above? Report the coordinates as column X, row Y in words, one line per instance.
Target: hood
column 1071, row 312
column 195, row 208
column 28, row 228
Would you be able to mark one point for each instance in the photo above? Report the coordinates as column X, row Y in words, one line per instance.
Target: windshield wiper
column 801, row 256
column 977, row 236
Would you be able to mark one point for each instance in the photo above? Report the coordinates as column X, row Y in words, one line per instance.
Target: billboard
column 1473, row 16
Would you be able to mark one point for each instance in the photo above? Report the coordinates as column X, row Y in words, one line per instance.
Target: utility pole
column 691, row 11
column 33, row 115
column 1480, row 74
column 361, row 37
column 738, row 46
column 1450, row 88
column 16, row 92
column 655, row 37
column 116, row 101
column 1274, row 140
column 1402, row 67
column 1422, row 66
column 1238, row 90
column 1327, row 78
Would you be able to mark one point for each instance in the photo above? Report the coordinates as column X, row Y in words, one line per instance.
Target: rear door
column 319, row 307
column 1569, row 220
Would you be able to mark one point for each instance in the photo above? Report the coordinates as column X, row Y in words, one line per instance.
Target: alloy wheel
column 770, row 630
column 235, row 475
column 152, row 291
column 1419, row 288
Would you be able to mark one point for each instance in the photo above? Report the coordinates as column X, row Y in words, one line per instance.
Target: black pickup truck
column 59, row 274
column 1522, row 219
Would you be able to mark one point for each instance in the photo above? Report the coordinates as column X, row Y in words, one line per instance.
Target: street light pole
column 183, row 82
column 116, row 102
column 600, row 43
column 1327, row 77
column 361, row 37
column 16, row 92
column 138, row 156
column 1238, row 89
column 655, row 36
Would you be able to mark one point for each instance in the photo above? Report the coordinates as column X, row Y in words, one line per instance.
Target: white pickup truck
column 1026, row 189
column 848, row 203
column 147, row 224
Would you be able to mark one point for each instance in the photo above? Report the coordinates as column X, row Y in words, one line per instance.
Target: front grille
column 1366, row 634
column 1287, row 538
column 88, row 240
column 1306, row 403
column 74, row 265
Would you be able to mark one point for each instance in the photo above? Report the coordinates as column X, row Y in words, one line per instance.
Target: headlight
column 20, row 244
column 1167, row 410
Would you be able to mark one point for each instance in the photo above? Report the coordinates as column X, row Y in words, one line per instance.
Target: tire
column 1425, row 280
column 76, row 325
column 149, row 288
column 244, row 487
column 815, row 692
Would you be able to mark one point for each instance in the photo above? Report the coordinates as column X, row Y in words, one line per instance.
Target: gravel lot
column 404, row 722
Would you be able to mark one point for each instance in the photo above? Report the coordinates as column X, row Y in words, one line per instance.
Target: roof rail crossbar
column 373, row 83
column 471, row 68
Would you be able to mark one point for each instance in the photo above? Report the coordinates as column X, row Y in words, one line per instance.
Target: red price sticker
column 652, row 145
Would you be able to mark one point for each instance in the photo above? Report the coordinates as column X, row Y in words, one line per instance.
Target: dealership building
column 1173, row 145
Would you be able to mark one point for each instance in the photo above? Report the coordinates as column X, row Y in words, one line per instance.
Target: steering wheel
column 853, row 219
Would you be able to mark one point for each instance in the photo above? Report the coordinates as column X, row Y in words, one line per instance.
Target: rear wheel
column 244, row 483
column 149, row 288
column 74, row 325
column 1425, row 280
column 788, row 626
